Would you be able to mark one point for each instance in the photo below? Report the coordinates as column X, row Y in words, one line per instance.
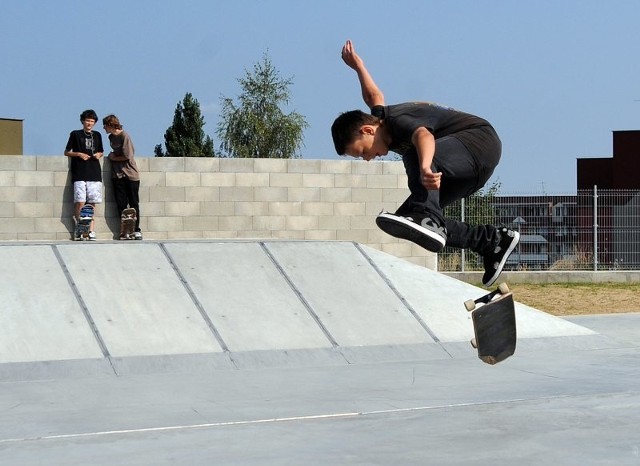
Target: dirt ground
column 571, row 299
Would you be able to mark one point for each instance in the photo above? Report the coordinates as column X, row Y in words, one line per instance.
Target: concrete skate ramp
column 128, row 307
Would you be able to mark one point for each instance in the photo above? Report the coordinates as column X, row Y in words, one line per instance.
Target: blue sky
column 555, row 77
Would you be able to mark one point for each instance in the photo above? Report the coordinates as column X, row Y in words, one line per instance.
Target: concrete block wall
column 187, row 198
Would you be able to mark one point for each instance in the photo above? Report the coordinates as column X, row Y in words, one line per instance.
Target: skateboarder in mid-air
column 447, row 154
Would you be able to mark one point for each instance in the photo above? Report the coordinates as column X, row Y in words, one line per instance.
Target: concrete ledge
column 288, row 358
column 315, row 357
column 577, row 276
column 66, row 369
column 172, row 363
column 391, row 353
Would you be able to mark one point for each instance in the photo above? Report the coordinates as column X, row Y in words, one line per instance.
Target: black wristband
column 378, row 111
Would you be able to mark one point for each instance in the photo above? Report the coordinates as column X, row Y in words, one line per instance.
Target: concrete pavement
column 362, row 359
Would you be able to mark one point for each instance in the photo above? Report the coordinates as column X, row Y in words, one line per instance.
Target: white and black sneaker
column 494, row 260
column 417, row 227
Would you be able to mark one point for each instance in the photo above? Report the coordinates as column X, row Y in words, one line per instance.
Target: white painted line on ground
column 250, row 422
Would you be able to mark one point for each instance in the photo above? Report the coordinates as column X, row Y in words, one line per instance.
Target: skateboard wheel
column 503, row 288
column 470, row 305
column 474, row 343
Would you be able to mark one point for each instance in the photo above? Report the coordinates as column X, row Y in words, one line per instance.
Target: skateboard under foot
column 83, row 223
column 127, row 223
column 494, row 325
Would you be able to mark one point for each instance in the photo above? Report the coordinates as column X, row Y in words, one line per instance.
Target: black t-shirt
column 403, row 119
column 89, row 143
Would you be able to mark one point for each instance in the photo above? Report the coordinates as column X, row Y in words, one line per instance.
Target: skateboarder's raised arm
column 371, row 93
column 425, row 145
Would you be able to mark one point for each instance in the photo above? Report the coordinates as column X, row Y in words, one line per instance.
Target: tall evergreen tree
column 186, row 137
column 256, row 127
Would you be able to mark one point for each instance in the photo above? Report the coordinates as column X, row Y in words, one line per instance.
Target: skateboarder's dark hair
column 344, row 129
column 89, row 115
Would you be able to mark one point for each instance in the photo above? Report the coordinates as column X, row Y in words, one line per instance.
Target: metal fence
column 591, row 230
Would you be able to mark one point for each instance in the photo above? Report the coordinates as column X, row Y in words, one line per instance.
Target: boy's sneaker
column 137, row 235
column 417, row 227
column 92, row 236
column 494, row 260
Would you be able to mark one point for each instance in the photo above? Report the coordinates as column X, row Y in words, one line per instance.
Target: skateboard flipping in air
column 494, row 325
column 127, row 223
column 83, row 223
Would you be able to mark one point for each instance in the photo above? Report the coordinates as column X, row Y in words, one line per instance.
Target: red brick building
column 622, row 171
column 618, row 201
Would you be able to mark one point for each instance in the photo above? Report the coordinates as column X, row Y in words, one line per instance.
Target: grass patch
column 579, row 298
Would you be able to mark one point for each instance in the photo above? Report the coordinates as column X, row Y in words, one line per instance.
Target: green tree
column 185, row 137
column 479, row 209
column 256, row 127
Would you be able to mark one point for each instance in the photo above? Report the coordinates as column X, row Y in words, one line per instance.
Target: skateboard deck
column 83, row 224
column 127, row 223
column 494, row 325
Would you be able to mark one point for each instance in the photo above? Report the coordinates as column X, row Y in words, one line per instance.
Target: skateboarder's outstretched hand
column 350, row 57
column 371, row 93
